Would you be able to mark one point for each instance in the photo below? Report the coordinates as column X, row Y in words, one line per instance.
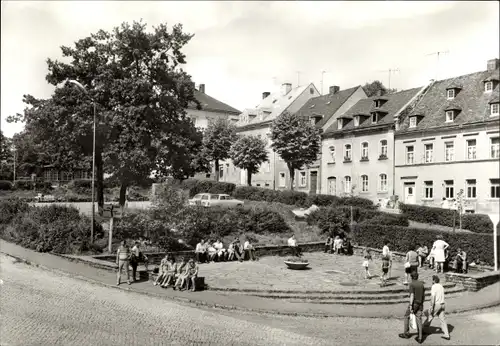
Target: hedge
column 267, row 195
column 358, row 215
column 479, row 247
column 477, row 223
column 211, row 187
column 28, row 185
column 5, row 185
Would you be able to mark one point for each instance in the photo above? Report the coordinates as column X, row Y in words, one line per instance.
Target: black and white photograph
column 249, row 173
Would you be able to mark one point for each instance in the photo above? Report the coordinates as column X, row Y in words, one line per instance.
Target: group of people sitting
column 206, row 252
column 338, row 244
column 180, row 276
column 440, row 257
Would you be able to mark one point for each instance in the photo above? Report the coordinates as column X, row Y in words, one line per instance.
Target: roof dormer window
column 339, row 124
column 450, row 94
column 356, row 120
column 488, row 86
column 374, row 118
column 450, row 116
column 312, row 106
column 413, row 121
column 494, row 109
column 275, row 100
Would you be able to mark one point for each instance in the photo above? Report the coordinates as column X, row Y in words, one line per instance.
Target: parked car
column 216, row 200
column 44, row 198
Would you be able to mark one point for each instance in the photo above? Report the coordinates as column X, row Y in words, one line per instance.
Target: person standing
column 439, row 247
column 416, row 307
column 292, row 243
column 122, row 258
column 366, row 263
column 438, row 306
column 411, row 264
column 134, row 260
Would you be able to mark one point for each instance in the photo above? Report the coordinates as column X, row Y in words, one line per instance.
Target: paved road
column 43, row 308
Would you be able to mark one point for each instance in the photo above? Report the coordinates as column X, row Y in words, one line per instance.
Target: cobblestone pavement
column 327, row 272
column 42, row 308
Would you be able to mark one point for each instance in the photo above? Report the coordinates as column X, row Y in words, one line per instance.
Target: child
column 368, row 257
column 162, row 271
column 191, row 274
column 385, row 269
column 181, row 275
column 171, row 269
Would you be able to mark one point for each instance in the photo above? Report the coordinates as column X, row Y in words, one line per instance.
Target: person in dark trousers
column 328, row 244
column 416, row 306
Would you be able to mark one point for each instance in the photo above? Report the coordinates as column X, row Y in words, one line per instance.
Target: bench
column 199, row 281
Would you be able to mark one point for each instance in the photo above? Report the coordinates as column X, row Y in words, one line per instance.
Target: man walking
column 437, row 306
column 416, row 307
column 122, row 258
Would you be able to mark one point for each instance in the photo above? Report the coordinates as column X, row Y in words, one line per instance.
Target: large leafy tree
column 217, row 140
column 375, row 87
column 140, row 96
column 6, row 158
column 296, row 140
column 248, row 153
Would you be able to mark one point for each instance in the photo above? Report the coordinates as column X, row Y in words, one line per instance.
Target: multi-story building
column 358, row 147
column 322, row 112
column 257, row 122
column 211, row 109
column 450, row 142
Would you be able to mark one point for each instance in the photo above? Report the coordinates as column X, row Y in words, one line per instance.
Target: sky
column 241, row 49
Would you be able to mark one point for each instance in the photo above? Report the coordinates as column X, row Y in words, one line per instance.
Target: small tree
column 296, row 140
column 248, row 153
column 373, row 88
column 217, row 140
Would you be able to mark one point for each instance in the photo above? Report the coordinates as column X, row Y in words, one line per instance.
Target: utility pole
column 390, row 72
column 322, row 74
column 298, row 78
column 438, row 54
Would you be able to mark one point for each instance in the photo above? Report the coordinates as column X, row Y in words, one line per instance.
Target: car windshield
column 197, row 197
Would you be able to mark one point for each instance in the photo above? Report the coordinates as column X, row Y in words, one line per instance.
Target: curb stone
column 199, row 303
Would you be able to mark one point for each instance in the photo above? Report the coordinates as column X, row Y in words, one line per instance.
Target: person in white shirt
column 200, row 251
column 338, row 243
column 386, row 253
column 292, row 243
column 439, row 247
column 211, row 251
column 136, row 257
column 438, row 306
column 221, row 252
column 249, row 250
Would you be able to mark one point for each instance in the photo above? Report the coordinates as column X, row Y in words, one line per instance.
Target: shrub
column 477, row 246
column 389, row 220
column 357, row 202
column 11, row 207
column 209, row 186
column 292, row 197
column 477, row 223
column 5, row 185
column 322, row 200
column 267, row 195
column 43, row 185
column 23, row 185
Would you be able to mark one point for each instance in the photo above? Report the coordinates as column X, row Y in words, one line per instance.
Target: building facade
column 450, row 143
column 358, row 148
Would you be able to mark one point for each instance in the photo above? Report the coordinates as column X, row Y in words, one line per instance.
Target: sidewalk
column 487, row 297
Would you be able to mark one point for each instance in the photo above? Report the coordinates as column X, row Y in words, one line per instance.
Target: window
column 450, row 94
column 266, row 166
column 356, row 121
column 282, row 179
column 488, row 86
column 221, row 172
column 347, row 152
column 347, row 184
column 449, row 151
column 374, row 118
column 449, row 116
column 339, row 124
column 413, row 121
column 495, row 148
column 494, row 109
column 428, row 190
column 311, row 91
column 302, row 179
column 409, row 155
column 449, row 191
column 364, row 151
column 332, row 153
column 470, row 185
column 429, row 149
column 471, row 149
column 383, row 148
column 382, row 182
column 364, row 183
column 495, row 188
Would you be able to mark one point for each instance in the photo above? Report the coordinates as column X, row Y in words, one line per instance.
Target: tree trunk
column 249, row 178
column 123, row 194
column 292, row 176
column 99, row 179
column 217, row 170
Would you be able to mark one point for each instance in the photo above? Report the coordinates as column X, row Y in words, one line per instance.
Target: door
column 332, row 186
column 314, row 182
column 410, row 197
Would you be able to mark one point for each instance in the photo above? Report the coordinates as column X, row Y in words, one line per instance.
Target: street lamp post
column 15, row 151
column 82, row 88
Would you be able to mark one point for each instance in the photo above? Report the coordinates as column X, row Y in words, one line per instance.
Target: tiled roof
column 326, row 105
column 272, row 106
column 472, row 101
column 210, row 104
column 364, row 107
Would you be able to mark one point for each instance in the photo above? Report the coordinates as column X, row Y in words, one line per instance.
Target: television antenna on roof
column 298, row 78
column 438, row 54
column 390, row 72
column 322, row 74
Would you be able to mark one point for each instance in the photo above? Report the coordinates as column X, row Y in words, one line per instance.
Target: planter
column 296, row 265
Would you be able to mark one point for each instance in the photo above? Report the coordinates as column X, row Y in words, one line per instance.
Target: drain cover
column 348, row 284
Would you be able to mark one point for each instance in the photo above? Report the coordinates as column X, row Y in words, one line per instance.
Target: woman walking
column 438, row 248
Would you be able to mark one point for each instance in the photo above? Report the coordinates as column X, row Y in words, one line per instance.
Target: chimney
column 334, row 89
column 286, row 88
column 493, row 64
column 202, row 88
column 265, row 94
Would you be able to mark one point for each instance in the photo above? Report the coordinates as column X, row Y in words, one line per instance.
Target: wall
column 474, row 282
column 482, row 169
column 372, row 168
